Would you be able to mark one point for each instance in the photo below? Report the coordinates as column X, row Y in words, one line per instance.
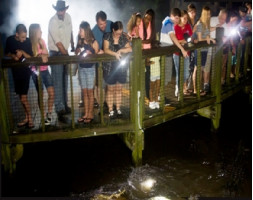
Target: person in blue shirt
column 103, row 26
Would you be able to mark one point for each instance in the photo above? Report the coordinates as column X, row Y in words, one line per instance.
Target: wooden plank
column 70, row 134
column 178, row 112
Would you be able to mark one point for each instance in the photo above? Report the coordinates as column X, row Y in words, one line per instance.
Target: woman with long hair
column 133, row 25
column 40, row 50
column 203, row 34
column 115, row 44
column 87, row 45
column 152, row 75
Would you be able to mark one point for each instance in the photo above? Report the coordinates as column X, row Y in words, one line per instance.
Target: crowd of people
column 108, row 37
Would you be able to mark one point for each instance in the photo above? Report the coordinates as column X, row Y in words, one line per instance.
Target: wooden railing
column 131, row 130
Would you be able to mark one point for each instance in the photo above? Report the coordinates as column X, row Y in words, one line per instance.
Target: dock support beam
column 137, row 71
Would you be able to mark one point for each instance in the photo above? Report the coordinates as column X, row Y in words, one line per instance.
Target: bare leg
column 118, row 91
column 96, row 94
column 194, row 80
column 157, row 89
column 50, row 91
column 224, row 68
column 152, row 91
column 86, row 102
column 109, row 96
column 206, row 77
column 25, row 103
column 90, row 103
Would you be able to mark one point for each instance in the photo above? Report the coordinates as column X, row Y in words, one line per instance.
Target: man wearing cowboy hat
column 59, row 37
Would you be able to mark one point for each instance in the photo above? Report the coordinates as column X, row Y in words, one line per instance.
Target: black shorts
column 117, row 74
column 203, row 58
column 21, row 77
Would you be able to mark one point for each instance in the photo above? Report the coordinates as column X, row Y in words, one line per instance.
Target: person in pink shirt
column 40, row 50
column 133, row 25
column 183, row 31
column 147, row 29
column 152, row 75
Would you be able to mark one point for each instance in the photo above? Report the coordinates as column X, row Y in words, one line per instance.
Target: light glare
column 122, row 62
column 233, row 31
column 147, row 185
column 160, row 198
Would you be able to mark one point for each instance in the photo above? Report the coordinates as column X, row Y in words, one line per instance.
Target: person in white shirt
column 59, row 38
column 218, row 21
column 168, row 38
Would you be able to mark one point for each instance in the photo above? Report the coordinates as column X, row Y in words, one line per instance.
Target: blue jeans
column 87, row 77
column 60, row 82
column 186, row 68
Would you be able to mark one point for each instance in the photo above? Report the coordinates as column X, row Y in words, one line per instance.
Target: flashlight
column 187, row 37
column 83, row 52
column 23, row 60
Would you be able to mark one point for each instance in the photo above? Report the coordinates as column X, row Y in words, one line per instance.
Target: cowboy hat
column 60, row 5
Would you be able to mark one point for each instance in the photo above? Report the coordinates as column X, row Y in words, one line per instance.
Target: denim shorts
column 87, row 77
column 46, row 78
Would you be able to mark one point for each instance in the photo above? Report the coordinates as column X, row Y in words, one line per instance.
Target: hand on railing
column 19, row 54
column 44, row 58
column 118, row 55
column 185, row 54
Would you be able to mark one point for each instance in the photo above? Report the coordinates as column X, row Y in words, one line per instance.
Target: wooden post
column 101, row 94
column 4, row 123
column 246, row 55
column 40, row 95
column 162, row 83
column 213, row 71
column 181, row 79
column 198, row 80
column 71, row 96
column 7, row 97
column 218, row 68
column 238, row 62
column 137, row 94
column 217, row 106
column 229, row 65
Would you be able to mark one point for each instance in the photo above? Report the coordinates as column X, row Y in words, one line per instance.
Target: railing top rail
column 169, row 50
column 52, row 60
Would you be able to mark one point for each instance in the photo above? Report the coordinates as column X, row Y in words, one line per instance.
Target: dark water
column 182, row 158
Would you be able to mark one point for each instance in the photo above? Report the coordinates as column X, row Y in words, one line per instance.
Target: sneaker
column 111, row 114
column 157, row 105
column 67, row 110
column 166, row 101
column 119, row 113
column 48, row 119
column 152, row 105
column 206, row 87
column 96, row 105
column 176, row 90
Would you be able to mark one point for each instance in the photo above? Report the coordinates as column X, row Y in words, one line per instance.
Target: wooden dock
column 137, row 116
